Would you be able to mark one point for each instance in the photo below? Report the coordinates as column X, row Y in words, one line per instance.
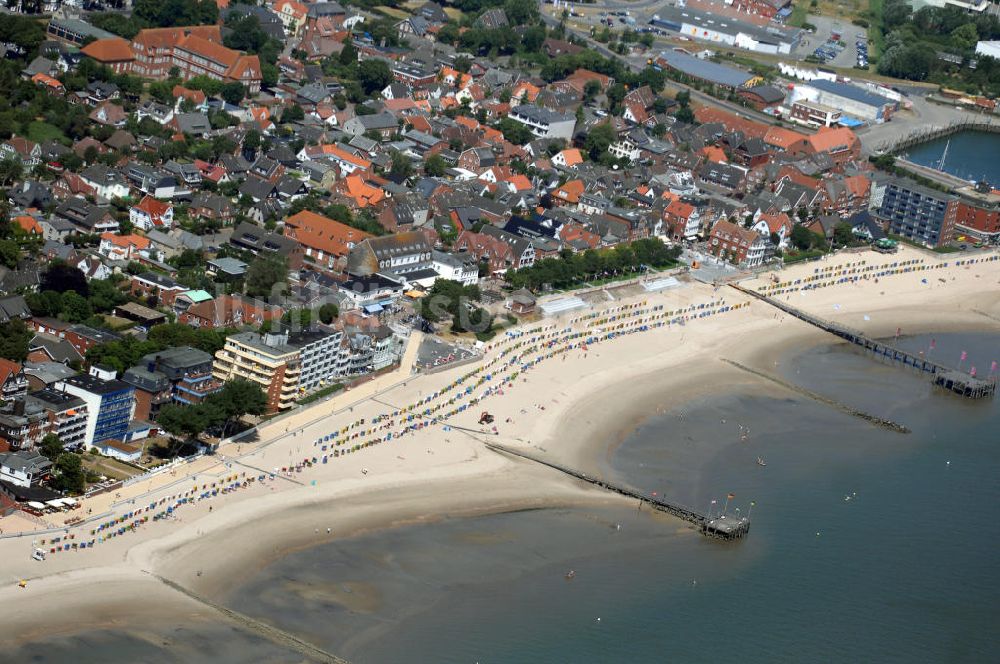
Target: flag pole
column 750, row 511
column 727, row 505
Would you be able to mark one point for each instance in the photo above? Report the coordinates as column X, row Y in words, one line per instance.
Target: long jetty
column 721, row 527
column 945, row 377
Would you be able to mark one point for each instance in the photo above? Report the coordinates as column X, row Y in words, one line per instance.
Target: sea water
column 865, row 545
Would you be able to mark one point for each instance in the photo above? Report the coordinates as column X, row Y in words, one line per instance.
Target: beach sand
column 571, row 410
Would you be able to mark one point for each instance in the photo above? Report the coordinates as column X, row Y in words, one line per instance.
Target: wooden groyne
column 269, row 632
column 868, row 417
column 721, row 527
column 950, row 379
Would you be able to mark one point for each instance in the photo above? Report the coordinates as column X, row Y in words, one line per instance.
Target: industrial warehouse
column 708, row 27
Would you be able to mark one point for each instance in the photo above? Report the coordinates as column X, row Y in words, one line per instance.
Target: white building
column 24, row 469
column 544, row 122
column 319, row 353
column 462, row 269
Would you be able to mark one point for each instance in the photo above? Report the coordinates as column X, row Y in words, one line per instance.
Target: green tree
column 401, row 165
column 591, row 90
column 75, row 308
column 293, row 113
column 14, row 339
column 685, row 114
column 328, row 312
column 348, row 55
column 61, row 277
column 599, row 140
column 435, row 166
column 264, row 272
column 233, row 93
column 803, row 238
column 514, row 131
column 521, row 12
column 374, row 75
column 843, row 234
column 51, row 446
column 964, row 37
column 11, row 171
column 69, row 476
column 10, row 253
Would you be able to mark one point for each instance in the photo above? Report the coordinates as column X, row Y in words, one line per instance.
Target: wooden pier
column 721, row 527
column 945, row 377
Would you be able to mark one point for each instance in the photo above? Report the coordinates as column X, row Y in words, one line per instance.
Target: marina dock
column 945, row 377
column 726, row 527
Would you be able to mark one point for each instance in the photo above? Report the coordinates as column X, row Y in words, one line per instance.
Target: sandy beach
column 572, row 407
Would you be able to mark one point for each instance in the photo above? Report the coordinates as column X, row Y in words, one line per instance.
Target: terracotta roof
column 572, row 156
column 318, row 232
column 153, row 207
column 196, row 96
column 209, row 50
column 776, row 221
column 831, row 138
column 716, row 154
column 344, row 155
column 569, row 192
column 360, row 191
column 731, row 121
column 7, row 367
column 780, row 137
column 164, row 38
column 113, row 49
column 680, row 209
column 736, row 233
column 126, row 241
column 28, row 224
column 45, row 79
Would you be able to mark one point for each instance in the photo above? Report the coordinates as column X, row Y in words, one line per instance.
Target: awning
column 415, row 294
column 373, row 308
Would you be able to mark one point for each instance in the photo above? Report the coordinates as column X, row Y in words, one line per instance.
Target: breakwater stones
column 815, row 396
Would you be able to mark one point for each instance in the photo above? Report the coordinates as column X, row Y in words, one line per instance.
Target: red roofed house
column 196, row 51
column 114, row 52
column 13, row 382
column 568, row 158
column 29, row 225
column 496, row 253
column 196, row 97
column 292, row 15
column 122, row 247
column 150, row 213
column 738, row 245
column 324, row 239
column 840, row 143
column 229, row 311
column 568, row 194
column 44, row 80
column 777, row 224
column 682, row 220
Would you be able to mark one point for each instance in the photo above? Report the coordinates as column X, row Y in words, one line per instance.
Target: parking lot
column 820, row 42
column 434, row 352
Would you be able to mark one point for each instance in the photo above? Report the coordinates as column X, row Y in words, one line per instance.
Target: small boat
column 760, row 462
column 570, row 574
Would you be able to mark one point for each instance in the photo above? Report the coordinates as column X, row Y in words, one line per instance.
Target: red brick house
column 737, row 245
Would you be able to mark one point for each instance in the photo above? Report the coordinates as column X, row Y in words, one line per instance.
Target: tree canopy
column 573, row 269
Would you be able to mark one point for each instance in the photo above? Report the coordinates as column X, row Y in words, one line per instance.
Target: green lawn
column 800, row 10
column 39, row 132
column 875, row 34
